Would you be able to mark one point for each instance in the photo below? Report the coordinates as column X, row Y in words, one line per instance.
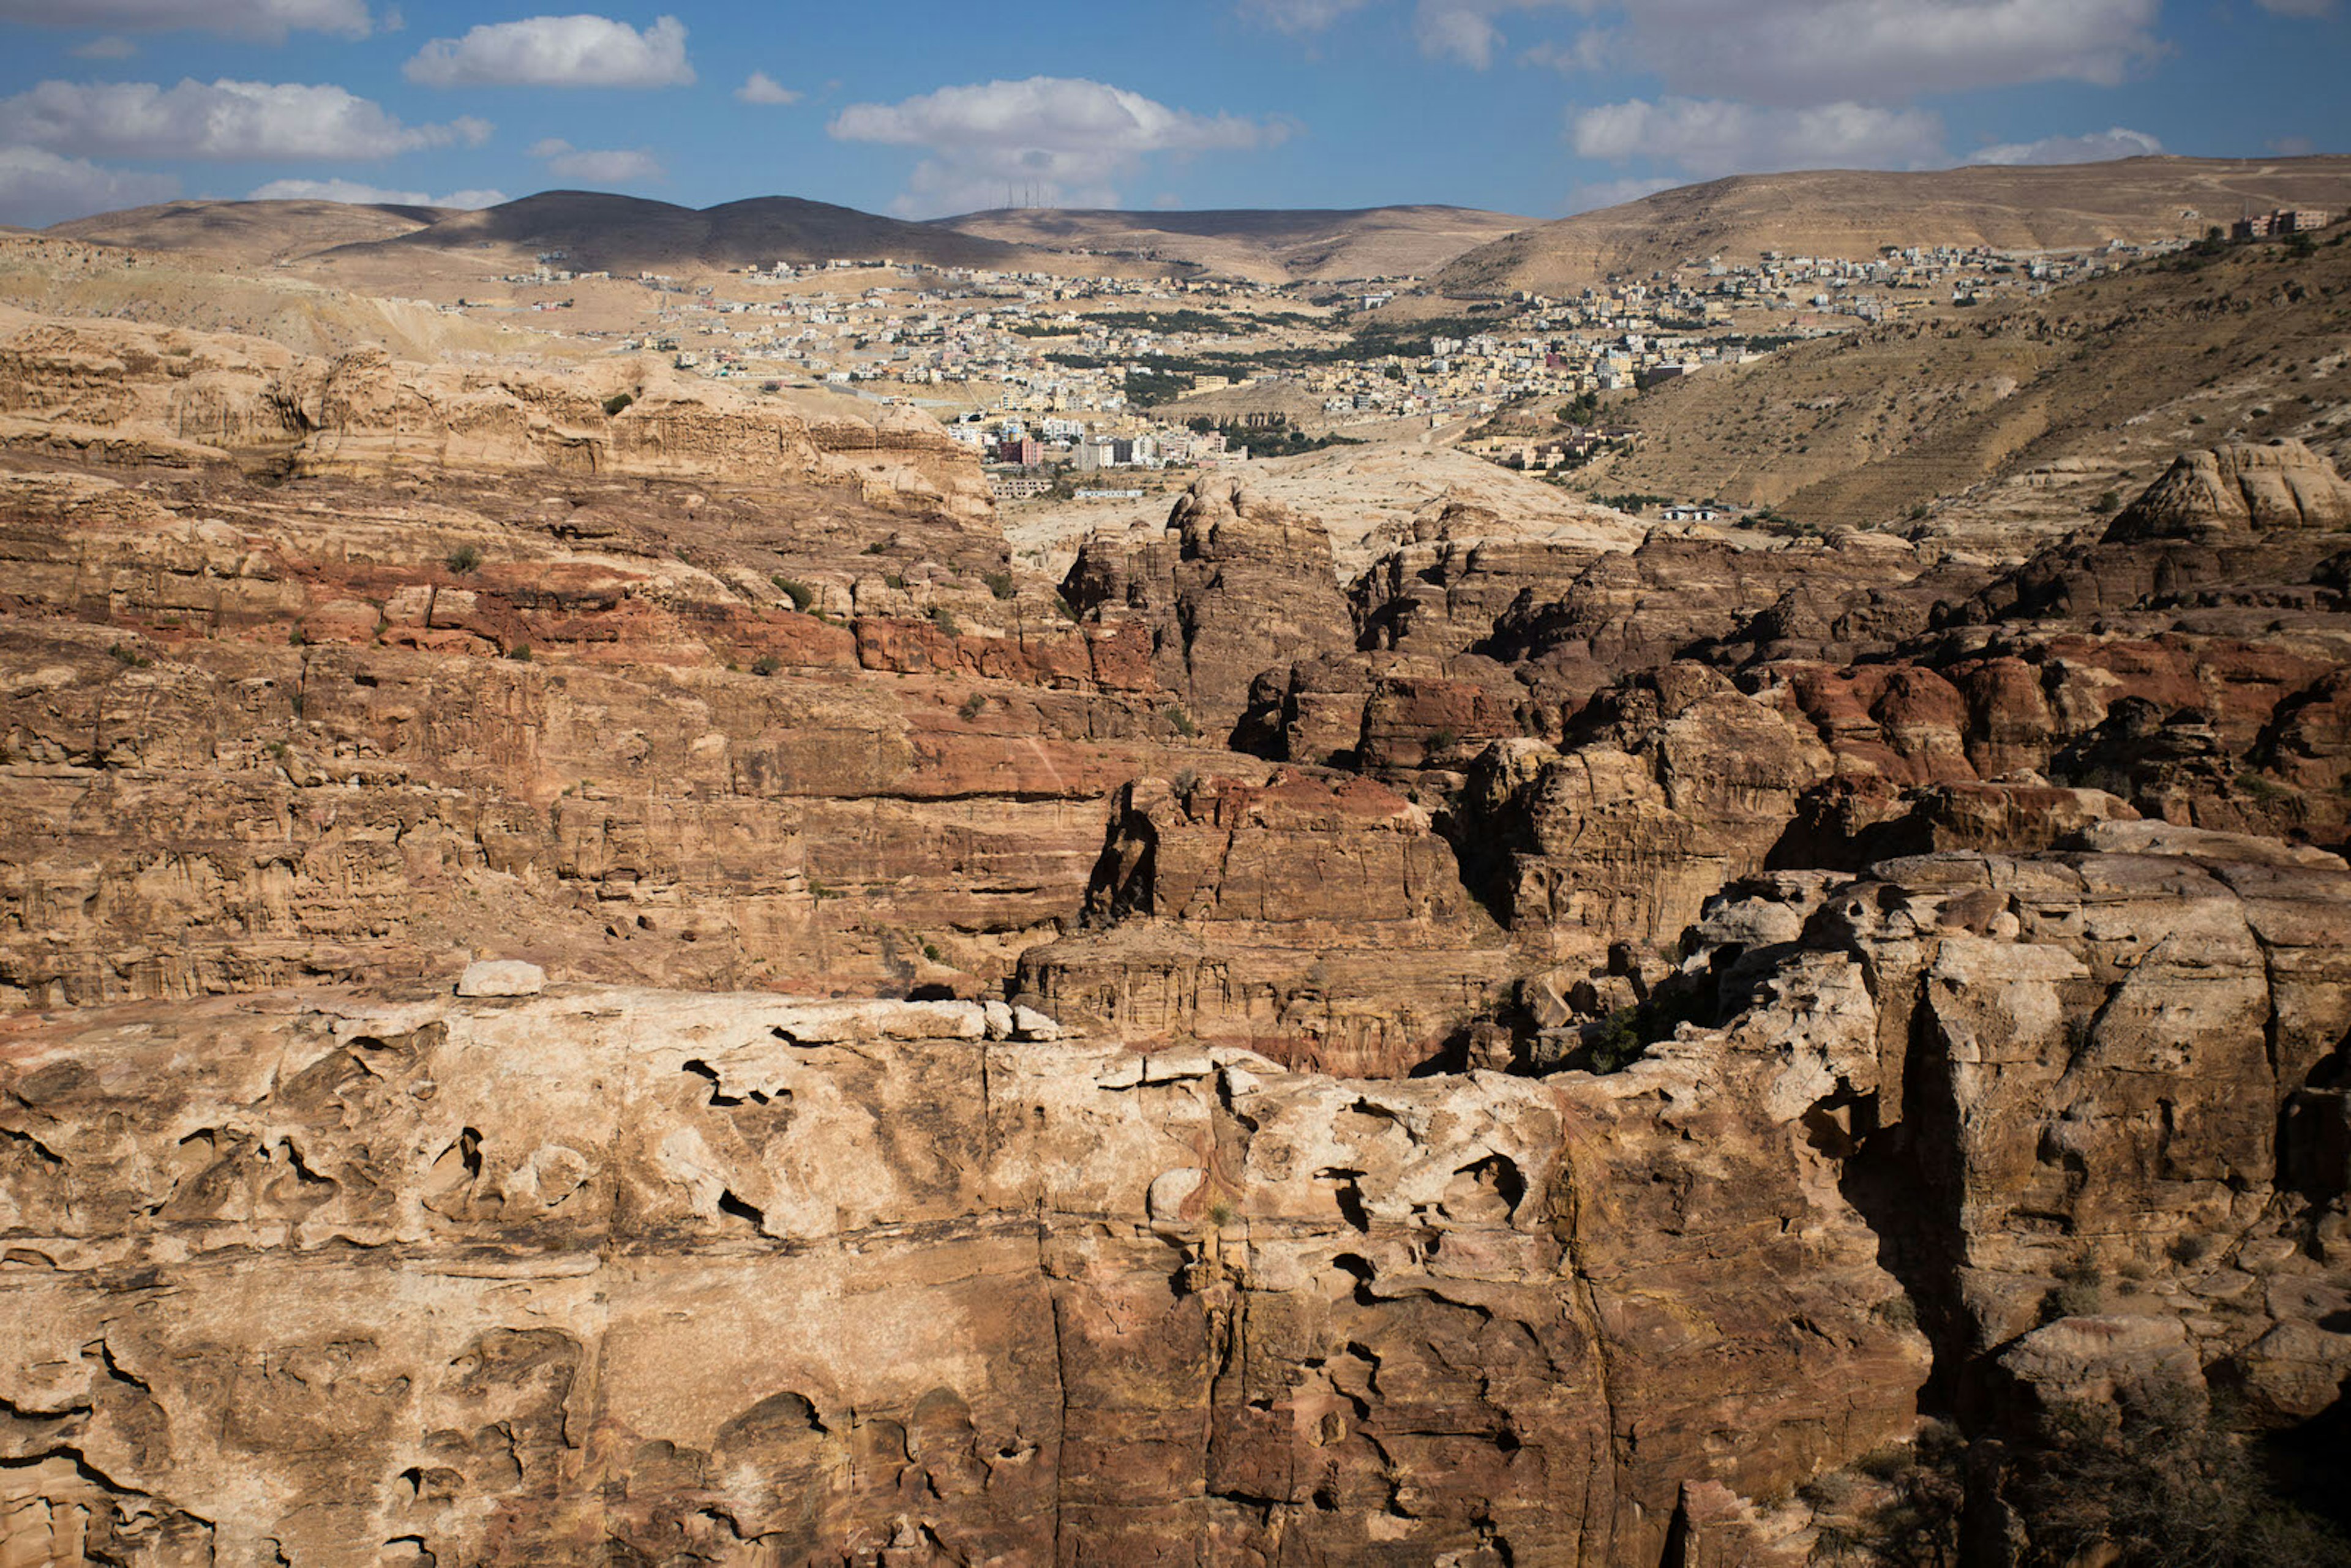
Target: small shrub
column 878, row 547
column 1186, row 781
column 944, row 619
column 129, row 656
column 519, row 652
column 296, row 638
column 2187, row 1250
column 1175, row 716
column 971, row 707
column 2107, row 501
column 999, row 583
column 820, row 891
column 1061, row 602
column 1221, row 1214
column 617, row 401
column 463, row 559
column 895, row 581
column 2080, row 1292
column 799, row 593
column 766, row 665
column 1443, row 739
column 277, row 749
column 931, row 951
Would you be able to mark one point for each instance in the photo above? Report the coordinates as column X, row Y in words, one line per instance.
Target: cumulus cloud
column 1711, row 137
column 1070, row 139
column 2097, row 147
column 1798, row 53
column 1465, row 30
column 370, row 195
column 1295, row 16
column 112, row 46
column 222, row 119
column 614, row 166
column 39, row 188
column 556, row 52
column 267, row 19
column 761, row 88
column 1598, row 193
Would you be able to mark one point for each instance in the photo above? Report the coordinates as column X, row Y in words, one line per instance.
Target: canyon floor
column 597, row 966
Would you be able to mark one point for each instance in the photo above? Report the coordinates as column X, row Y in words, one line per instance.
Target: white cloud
column 617, row 166
column 1295, row 16
column 2292, row 146
column 1464, row 30
column 2097, row 147
column 268, row 19
column 1710, row 137
column 39, row 188
column 1067, row 138
column 761, row 88
column 370, row 195
column 222, row 119
column 1793, row 53
column 112, row 46
column 1599, row 193
column 558, row 51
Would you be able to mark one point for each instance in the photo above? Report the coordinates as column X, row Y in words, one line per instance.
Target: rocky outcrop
column 699, row 1277
column 1233, row 585
column 2237, row 490
column 125, row 393
column 1320, row 921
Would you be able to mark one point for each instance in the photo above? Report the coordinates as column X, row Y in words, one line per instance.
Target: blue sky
column 1536, row 107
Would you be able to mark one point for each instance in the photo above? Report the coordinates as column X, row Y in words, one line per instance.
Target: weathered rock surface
column 2238, row 490
column 1320, row 921
column 1232, row 586
column 725, row 1278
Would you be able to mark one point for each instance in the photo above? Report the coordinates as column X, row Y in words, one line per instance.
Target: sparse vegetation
column 1173, row 714
column 971, row 707
column 617, row 401
column 799, row 593
column 463, row 560
column 766, row 665
column 999, row 583
column 944, row 619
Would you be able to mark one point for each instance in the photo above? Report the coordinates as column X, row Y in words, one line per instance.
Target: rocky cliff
column 1545, row 1053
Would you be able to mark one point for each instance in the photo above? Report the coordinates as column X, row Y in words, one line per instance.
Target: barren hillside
column 251, row 234
column 1853, row 213
column 2089, row 389
column 1264, row 246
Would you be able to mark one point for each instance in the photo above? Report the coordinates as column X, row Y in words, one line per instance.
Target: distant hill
column 1264, row 245
column 253, row 234
column 2090, row 388
column 1853, row 213
column 596, row 231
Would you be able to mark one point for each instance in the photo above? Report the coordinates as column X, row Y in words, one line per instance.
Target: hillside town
column 1061, row 381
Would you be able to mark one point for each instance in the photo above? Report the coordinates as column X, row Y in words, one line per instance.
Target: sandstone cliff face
column 128, row 392
column 1323, row 926
column 2237, row 489
column 1961, row 936
column 1234, row 585
column 726, row 1279
column 722, row 1278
